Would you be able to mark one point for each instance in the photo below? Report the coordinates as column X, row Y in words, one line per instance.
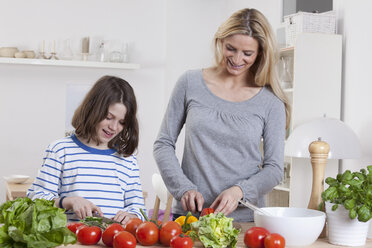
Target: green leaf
column 346, row 176
column 352, row 214
column 349, row 204
column 334, row 207
column 364, row 214
column 216, row 231
column 36, row 223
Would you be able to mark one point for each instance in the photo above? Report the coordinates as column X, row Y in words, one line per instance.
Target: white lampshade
column 341, row 138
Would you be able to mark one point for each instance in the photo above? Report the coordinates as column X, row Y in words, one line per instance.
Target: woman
column 94, row 169
column 227, row 109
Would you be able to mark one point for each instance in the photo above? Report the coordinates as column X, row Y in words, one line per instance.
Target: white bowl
column 299, row 226
column 16, row 178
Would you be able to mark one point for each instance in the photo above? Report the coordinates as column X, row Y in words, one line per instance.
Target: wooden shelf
column 70, row 63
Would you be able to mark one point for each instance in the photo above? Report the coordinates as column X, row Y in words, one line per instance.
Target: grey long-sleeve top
column 222, row 144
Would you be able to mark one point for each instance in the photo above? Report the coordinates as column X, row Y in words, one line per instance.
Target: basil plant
column 353, row 190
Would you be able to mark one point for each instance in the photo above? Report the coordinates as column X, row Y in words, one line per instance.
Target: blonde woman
column 226, row 110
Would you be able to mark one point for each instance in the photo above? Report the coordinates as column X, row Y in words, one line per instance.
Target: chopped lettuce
column 216, row 231
column 38, row 224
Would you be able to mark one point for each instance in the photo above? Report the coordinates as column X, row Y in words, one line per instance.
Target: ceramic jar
column 8, row 52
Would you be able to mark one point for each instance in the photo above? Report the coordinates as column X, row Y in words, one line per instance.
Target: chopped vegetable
column 185, row 222
column 32, row 224
column 215, row 230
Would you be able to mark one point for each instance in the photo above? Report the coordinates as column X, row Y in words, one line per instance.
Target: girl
column 94, row 169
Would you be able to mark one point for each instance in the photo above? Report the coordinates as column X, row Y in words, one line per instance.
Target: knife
column 105, row 219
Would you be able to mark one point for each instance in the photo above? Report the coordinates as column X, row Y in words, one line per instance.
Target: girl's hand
column 193, row 201
column 123, row 217
column 81, row 206
column 228, row 200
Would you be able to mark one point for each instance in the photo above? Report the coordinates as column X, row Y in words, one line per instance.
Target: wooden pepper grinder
column 319, row 154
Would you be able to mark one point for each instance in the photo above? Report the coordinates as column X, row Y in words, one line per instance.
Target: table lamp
column 321, row 139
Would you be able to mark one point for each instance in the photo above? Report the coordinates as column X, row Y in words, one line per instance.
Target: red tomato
column 124, row 239
column 147, row 233
column 109, row 233
column 88, row 235
column 206, row 211
column 181, row 241
column 274, row 240
column 132, row 225
column 73, row 226
column 169, row 230
column 254, row 237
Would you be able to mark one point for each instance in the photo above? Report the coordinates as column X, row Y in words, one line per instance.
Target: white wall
column 354, row 24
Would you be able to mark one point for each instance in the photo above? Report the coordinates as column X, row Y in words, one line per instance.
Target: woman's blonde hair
column 253, row 23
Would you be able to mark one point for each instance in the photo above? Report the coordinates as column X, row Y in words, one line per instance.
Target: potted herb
column 348, row 203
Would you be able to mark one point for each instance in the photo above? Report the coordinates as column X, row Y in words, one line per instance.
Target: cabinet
column 315, row 91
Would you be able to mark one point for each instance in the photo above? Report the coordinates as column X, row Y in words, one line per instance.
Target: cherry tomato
column 88, row 235
column 73, row 226
column 147, row 233
column 109, row 233
column 132, row 225
column 206, row 211
column 254, row 237
column 274, row 240
column 169, row 230
column 181, row 241
column 124, row 239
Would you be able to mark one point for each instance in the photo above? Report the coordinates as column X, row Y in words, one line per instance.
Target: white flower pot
column 345, row 231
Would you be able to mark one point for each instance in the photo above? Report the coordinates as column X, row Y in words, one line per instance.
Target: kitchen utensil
column 254, row 208
column 29, row 54
column 16, row 178
column 105, row 219
column 20, row 55
column 8, row 51
column 299, row 226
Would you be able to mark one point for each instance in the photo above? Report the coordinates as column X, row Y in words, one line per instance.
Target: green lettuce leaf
column 216, row 231
column 38, row 223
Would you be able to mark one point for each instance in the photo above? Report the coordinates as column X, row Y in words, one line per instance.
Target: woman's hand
column 81, row 206
column 228, row 200
column 193, row 201
column 123, row 217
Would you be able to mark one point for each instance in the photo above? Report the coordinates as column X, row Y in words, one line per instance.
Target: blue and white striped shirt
column 107, row 179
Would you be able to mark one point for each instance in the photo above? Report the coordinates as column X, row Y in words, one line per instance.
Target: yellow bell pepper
column 185, row 221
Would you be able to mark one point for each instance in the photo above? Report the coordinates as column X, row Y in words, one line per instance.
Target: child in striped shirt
column 94, row 170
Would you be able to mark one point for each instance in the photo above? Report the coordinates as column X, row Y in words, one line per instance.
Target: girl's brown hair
column 106, row 91
column 253, row 23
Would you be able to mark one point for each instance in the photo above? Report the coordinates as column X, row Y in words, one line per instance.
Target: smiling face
column 239, row 53
column 112, row 125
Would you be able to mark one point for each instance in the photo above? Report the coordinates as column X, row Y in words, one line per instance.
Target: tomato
column 274, row 240
column 206, row 211
column 132, row 225
column 88, row 235
column 254, row 237
column 124, row 239
column 73, row 226
column 169, row 230
column 147, row 233
column 109, row 233
column 181, row 241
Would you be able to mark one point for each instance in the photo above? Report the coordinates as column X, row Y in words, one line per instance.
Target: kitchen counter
column 320, row 243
